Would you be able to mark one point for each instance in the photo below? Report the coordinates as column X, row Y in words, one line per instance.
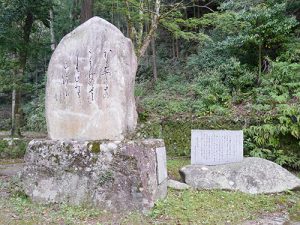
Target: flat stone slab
column 252, row 175
column 111, row 175
column 161, row 164
column 213, row 147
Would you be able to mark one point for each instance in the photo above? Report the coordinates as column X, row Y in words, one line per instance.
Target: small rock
column 112, row 146
column 103, row 147
column 178, row 185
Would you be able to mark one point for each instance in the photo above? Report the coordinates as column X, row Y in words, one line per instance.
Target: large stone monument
column 90, row 85
column 90, row 109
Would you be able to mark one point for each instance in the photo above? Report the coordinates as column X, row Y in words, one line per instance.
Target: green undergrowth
column 12, row 149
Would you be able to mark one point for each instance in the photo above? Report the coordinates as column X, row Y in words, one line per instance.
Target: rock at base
column 178, row 185
column 252, row 175
column 116, row 176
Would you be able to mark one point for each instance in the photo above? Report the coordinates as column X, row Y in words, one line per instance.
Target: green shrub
column 277, row 137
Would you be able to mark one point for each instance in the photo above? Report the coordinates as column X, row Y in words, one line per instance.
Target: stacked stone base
column 111, row 175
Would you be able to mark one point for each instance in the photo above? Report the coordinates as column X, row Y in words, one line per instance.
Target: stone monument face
column 213, row 147
column 90, row 85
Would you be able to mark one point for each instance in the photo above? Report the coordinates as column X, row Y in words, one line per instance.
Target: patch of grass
column 180, row 207
column 20, row 210
column 174, row 165
column 215, row 207
column 294, row 210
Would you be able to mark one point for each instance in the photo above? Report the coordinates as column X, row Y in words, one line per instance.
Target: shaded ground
column 26, row 135
column 180, row 207
column 9, row 170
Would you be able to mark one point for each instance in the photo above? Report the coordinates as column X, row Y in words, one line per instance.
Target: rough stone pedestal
column 112, row 175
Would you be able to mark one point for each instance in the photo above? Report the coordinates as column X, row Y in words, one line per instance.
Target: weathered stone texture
column 115, row 176
column 90, row 84
column 252, row 175
column 161, row 164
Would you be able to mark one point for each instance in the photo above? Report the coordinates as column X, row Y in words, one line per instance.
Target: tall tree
column 17, row 19
column 264, row 25
column 86, row 10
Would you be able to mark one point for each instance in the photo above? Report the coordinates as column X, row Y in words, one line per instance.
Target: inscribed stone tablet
column 90, row 85
column 213, row 147
column 161, row 158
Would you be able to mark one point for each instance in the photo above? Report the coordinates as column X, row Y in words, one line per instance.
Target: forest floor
column 180, row 207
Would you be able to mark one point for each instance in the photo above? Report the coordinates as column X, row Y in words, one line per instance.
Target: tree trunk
column 173, row 48
column 259, row 63
column 86, row 10
column 16, row 111
column 75, row 13
column 153, row 27
column 139, row 37
column 13, row 114
column 131, row 32
column 154, row 59
column 16, row 103
column 177, row 48
column 194, row 8
column 53, row 42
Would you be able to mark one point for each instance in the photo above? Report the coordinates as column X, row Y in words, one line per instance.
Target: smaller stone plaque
column 161, row 158
column 213, row 147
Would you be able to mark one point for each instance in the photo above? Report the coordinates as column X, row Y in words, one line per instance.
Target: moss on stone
column 94, row 147
column 56, row 159
column 69, row 149
column 106, row 177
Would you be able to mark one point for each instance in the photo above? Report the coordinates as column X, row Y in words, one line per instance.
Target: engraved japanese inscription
column 90, row 84
column 213, row 147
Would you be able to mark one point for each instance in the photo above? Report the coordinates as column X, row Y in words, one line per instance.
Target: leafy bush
column 277, row 138
column 227, row 69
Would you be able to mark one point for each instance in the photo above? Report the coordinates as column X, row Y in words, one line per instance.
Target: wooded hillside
column 216, row 64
